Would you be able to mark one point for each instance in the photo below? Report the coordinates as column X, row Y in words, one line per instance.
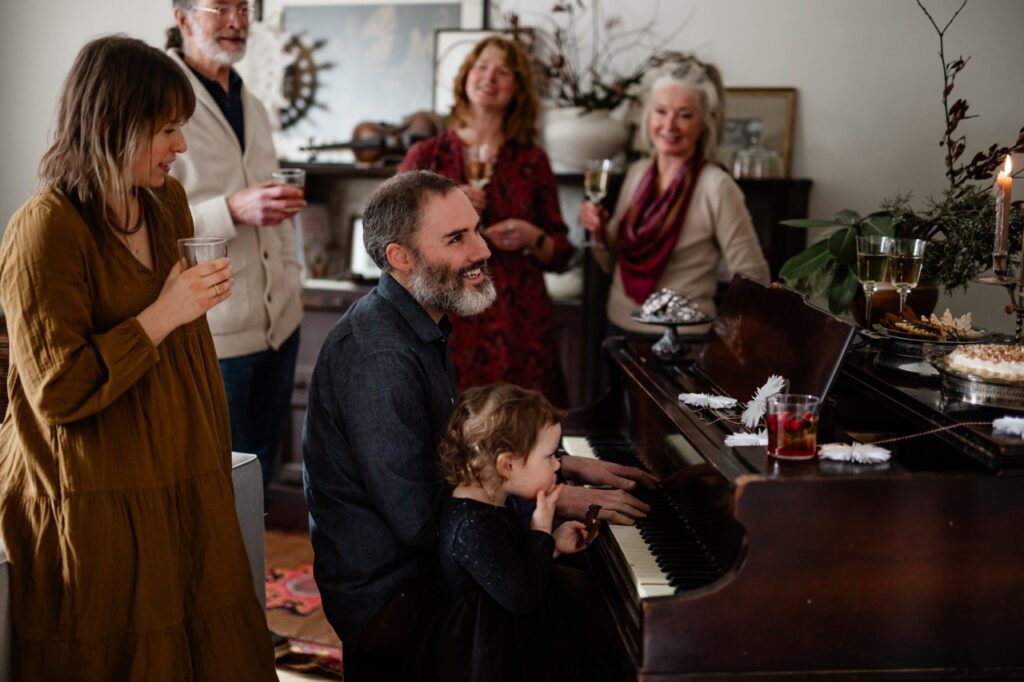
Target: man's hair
column 394, row 210
column 119, row 92
column 520, row 122
column 487, row 421
column 705, row 81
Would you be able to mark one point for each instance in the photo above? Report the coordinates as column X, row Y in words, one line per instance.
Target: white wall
column 868, row 112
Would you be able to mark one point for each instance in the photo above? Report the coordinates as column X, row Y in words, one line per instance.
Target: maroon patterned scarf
column 651, row 227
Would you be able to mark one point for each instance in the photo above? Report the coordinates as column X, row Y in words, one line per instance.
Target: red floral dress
column 513, row 340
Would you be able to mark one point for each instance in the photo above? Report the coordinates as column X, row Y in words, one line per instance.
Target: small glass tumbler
column 292, row 177
column 196, row 250
column 793, row 425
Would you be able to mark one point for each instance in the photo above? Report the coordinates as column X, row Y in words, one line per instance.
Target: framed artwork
column 372, row 60
column 755, row 115
column 450, row 49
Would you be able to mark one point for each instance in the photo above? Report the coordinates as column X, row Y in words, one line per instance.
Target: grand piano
column 753, row 568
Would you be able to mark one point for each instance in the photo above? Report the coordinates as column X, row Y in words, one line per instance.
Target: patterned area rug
column 293, row 589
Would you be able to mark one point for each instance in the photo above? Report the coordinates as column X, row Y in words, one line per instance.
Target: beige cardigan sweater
column 265, row 306
column 717, row 225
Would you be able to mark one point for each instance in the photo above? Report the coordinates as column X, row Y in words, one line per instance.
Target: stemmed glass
column 479, row 164
column 905, row 260
column 595, row 179
column 872, row 267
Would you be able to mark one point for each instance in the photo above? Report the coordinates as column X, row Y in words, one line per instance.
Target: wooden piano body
column 909, row 570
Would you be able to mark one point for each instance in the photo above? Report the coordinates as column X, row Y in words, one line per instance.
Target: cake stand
column 669, row 345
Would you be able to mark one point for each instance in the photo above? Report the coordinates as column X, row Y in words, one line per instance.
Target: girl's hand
column 512, row 234
column 185, row 296
column 570, row 537
column 545, row 511
column 593, row 217
column 476, row 196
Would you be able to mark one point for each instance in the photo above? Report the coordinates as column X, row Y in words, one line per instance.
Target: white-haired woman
column 678, row 212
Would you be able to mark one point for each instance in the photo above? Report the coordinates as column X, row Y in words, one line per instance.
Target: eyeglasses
column 222, row 12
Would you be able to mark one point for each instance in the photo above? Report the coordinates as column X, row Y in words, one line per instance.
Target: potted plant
column 958, row 225
column 580, row 74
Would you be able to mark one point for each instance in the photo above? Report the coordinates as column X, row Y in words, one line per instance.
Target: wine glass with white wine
column 872, row 267
column 906, row 257
column 478, row 164
column 595, row 179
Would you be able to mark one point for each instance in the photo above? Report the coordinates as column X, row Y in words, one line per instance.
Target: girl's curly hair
column 487, row 421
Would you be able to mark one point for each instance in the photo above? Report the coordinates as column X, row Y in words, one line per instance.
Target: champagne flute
column 595, row 180
column 905, row 260
column 872, row 267
column 478, row 164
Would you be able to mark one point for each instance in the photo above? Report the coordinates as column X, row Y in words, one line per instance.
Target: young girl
column 505, row 613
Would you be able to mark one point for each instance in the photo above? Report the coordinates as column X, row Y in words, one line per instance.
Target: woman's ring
column 509, row 227
column 216, row 290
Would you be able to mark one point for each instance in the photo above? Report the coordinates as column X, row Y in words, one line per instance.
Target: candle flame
column 1008, row 166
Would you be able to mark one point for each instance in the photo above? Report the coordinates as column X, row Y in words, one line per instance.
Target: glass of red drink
column 793, row 425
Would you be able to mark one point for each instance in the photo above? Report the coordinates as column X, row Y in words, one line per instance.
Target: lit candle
column 1004, row 184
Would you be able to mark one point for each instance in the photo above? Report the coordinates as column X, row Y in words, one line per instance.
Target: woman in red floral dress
column 496, row 105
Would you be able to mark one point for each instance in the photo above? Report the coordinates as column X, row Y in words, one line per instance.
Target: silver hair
column 394, row 210
column 706, row 81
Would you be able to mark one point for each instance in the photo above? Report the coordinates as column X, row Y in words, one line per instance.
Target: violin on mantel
column 380, row 143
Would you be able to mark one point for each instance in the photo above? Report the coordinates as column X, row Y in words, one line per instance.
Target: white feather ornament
column 756, row 407
column 715, row 402
column 858, row 453
column 1011, row 425
column 737, row 439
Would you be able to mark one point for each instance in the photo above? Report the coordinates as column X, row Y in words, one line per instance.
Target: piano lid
column 764, row 330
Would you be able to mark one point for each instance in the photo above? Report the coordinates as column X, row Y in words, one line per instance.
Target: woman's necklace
column 127, row 235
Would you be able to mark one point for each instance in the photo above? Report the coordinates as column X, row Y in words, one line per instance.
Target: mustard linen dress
column 116, row 504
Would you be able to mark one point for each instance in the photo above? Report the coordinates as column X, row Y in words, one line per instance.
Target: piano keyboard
column 663, row 553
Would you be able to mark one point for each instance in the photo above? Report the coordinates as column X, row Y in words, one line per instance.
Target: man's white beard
column 438, row 287
column 208, row 44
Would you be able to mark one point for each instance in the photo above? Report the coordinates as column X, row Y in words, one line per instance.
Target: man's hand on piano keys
column 599, row 472
column 617, row 506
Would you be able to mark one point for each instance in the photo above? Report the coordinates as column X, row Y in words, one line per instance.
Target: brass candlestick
column 1014, row 288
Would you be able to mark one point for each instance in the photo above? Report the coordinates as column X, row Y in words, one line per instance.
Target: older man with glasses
column 227, row 175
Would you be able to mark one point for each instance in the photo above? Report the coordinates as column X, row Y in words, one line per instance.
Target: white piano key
column 578, row 446
column 649, row 579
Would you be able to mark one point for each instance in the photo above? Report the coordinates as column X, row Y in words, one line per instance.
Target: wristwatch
column 540, row 241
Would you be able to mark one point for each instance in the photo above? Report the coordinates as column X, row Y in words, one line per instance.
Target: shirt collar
column 234, row 81
column 415, row 314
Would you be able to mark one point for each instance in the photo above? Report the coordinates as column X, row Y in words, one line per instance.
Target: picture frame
column 369, row 60
column 451, row 46
column 764, row 113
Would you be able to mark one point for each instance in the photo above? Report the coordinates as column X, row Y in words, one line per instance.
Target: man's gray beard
column 438, row 287
column 208, row 44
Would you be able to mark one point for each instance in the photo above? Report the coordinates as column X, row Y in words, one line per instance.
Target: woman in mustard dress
column 116, row 504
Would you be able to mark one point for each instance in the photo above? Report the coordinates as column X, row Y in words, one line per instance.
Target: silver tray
column 902, row 353
column 978, row 390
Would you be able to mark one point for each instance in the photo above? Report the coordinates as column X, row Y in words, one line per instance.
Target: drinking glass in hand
column 905, row 260
column 595, row 180
column 478, row 164
column 872, row 267
column 292, row 177
column 196, row 250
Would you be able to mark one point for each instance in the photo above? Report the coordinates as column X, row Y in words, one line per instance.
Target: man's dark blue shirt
column 379, row 400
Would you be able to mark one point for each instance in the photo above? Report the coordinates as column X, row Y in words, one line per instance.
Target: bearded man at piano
column 380, row 398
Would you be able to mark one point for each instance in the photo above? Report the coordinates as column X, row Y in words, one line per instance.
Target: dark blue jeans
column 259, row 390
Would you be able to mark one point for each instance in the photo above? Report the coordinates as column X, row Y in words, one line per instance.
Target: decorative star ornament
column 758, row 404
column 858, row 453
column 1011, row 425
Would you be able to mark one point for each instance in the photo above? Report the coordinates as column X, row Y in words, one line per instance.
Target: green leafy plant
column 958, row 226
column 830, row 264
